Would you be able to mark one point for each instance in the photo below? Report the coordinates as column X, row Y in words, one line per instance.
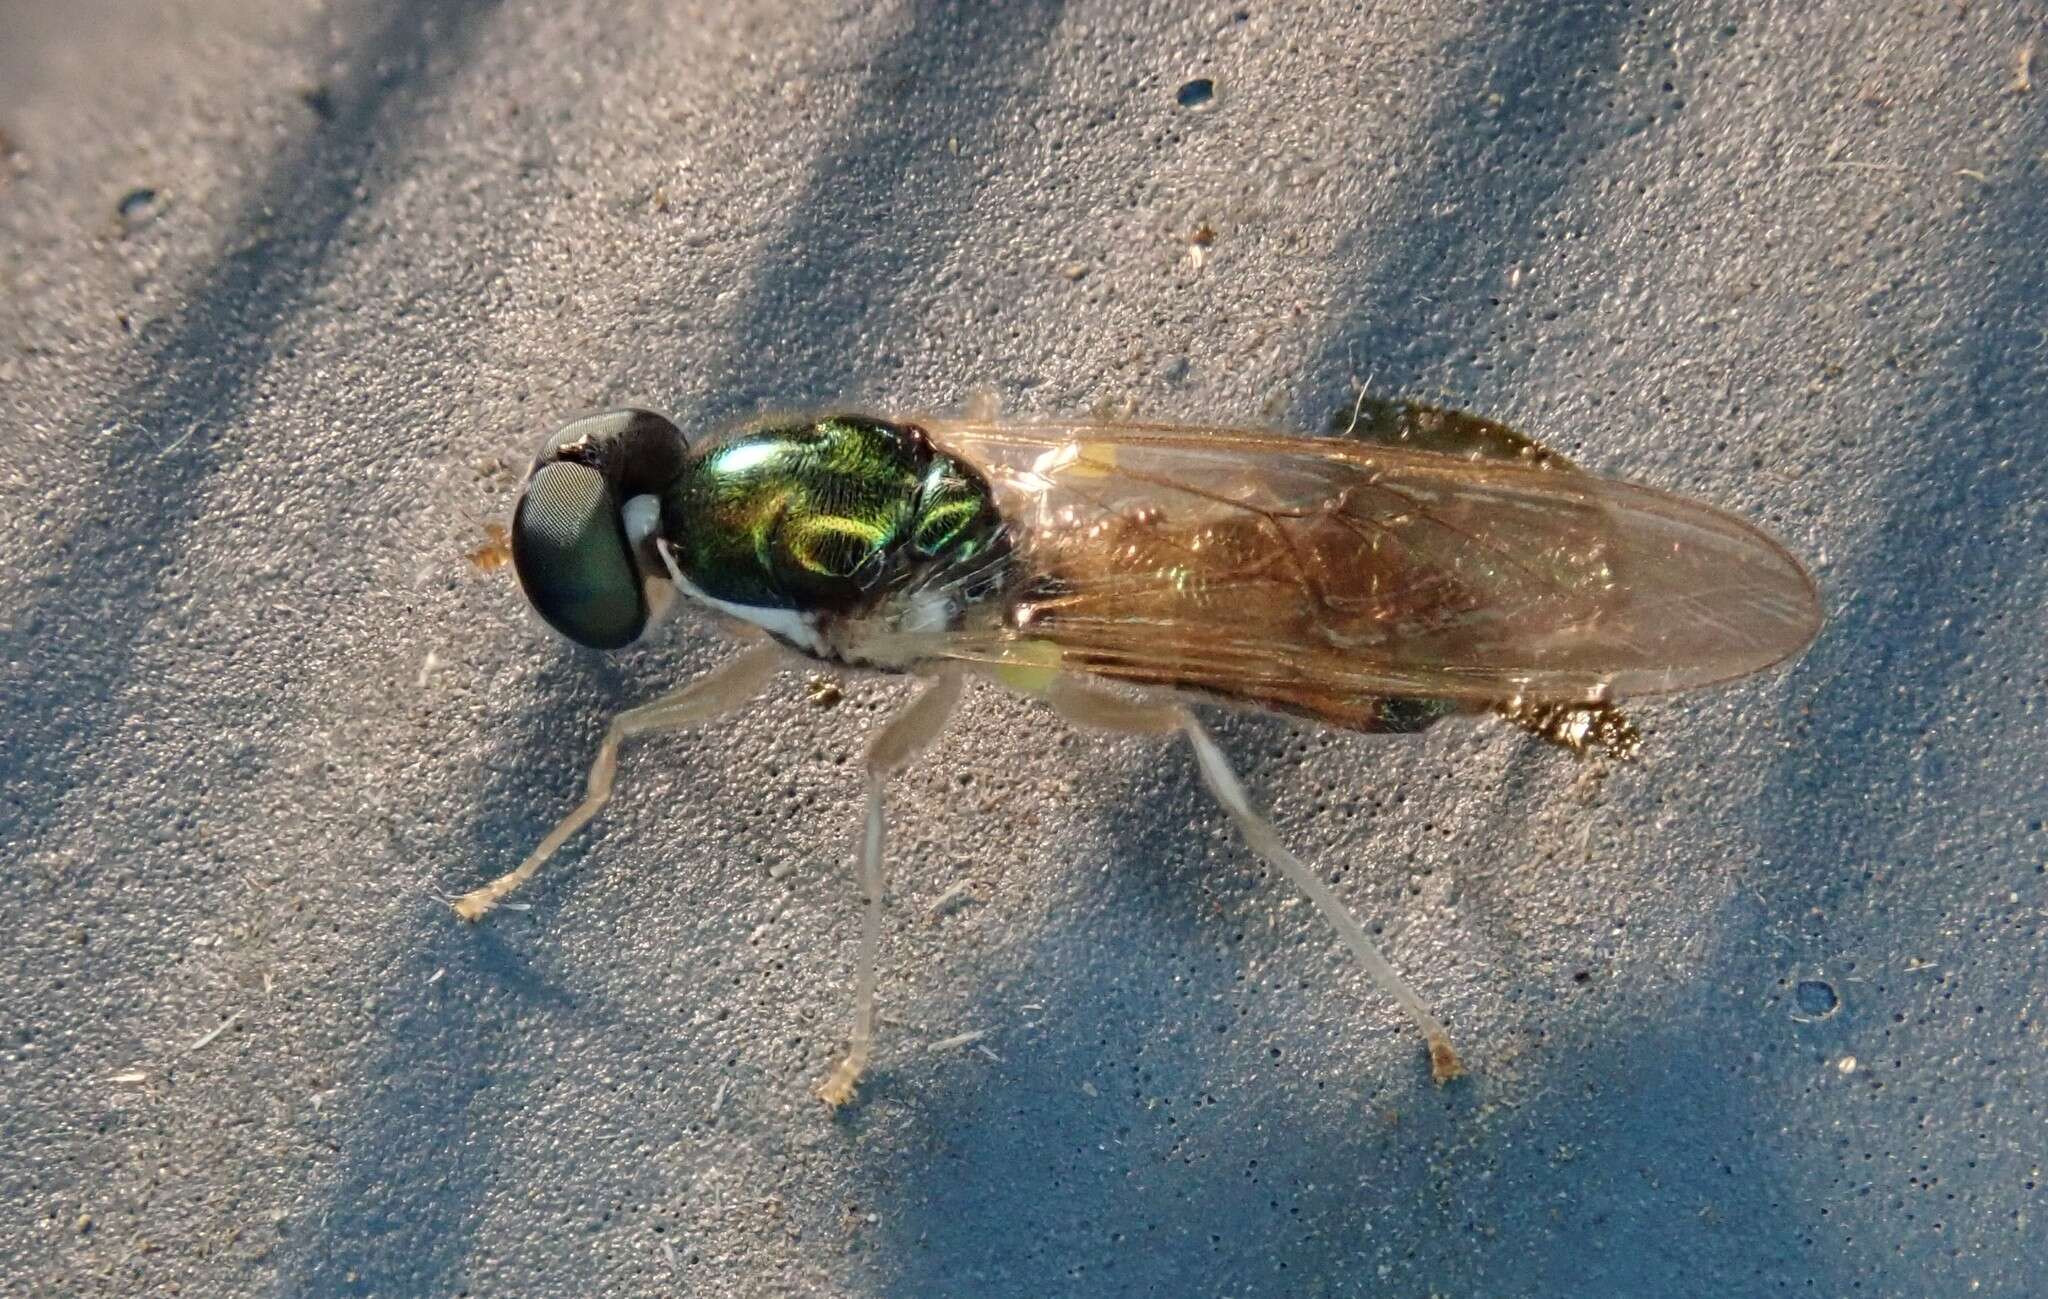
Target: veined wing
column 1315, row 574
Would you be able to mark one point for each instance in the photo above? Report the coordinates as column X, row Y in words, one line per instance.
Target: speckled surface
column 260, row 715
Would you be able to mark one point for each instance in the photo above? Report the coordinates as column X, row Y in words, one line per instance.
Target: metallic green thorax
column 821, row 516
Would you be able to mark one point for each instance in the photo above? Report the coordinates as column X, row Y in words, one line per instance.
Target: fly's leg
column 1265, row 841
column 901, row 739
column 1099, row 708
column 720, row 690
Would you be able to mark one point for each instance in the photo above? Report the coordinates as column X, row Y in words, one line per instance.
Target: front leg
column 718, row 691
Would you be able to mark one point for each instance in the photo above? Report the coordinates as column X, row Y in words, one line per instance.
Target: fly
column 1421, row 564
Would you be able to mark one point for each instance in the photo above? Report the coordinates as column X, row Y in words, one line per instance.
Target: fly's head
column 585, row 530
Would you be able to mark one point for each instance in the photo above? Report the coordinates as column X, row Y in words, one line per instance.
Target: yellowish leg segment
column 901, row 739
column 1089, row 706
column 721, row 690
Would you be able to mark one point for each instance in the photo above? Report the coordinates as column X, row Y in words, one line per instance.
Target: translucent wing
column 1317, row 575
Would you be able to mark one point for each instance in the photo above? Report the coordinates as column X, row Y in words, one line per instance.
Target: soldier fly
column 1423, row 565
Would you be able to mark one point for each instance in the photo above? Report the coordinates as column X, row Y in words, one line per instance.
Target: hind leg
column 1090, row 707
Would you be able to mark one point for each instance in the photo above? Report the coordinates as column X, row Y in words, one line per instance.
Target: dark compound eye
column 569, row 548
column 569, row 541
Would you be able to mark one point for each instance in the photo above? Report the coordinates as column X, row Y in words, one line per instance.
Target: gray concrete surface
column 260, row 714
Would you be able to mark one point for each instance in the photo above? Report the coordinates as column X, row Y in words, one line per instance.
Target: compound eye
column 569, row 548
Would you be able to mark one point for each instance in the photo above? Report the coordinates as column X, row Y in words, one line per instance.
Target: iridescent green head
column 581, row 530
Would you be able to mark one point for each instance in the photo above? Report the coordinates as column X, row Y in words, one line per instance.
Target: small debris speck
column 1198, row 93
column 207, row 1038
column 823, row 692
column 946, row 899
column 138, row 207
